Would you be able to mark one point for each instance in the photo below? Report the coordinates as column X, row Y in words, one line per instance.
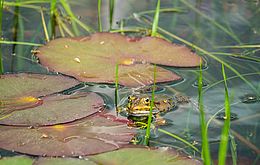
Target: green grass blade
column 19, row 43
column 111, row 12
column 225, row 130
column 204, row 133
column 233, row 148
column 147, row 134
column 116, row 87
column 84, row 26
column 18, row 35
column 66, row 6
column 156, row 19
column 99, row 16
column 1, row 56
column 45, row 27
column 52, row 17
column 179, row 138
column 240, row 46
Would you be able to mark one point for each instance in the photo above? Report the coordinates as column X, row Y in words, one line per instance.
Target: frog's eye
column 131, row 98
column 147, row 100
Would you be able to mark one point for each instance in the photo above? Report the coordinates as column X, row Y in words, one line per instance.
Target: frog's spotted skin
column 139, row 105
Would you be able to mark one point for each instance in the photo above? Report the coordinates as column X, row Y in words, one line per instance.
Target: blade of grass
column 53, row 9
column 1, row 56
column 233, row 148
column 204, row 133
column 225, row 130
column 156, row 19
column 99, row 16
column 44, row 27
column 18, row 50
column 19, row 43
column 147, row 134
column 240, row 46
column 111, row 12
column 116, row 89
column 179, row 138
column 66, row 6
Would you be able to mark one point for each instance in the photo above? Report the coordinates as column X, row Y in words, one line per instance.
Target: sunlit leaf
column 55, row 109
column 143, row 156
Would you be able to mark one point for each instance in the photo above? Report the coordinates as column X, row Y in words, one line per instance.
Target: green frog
column 138, row 107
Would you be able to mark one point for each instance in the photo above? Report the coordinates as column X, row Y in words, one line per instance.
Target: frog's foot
column 159, row 120
column 180, row 99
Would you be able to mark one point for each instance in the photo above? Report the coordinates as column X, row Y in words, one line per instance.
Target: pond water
column 210, row 25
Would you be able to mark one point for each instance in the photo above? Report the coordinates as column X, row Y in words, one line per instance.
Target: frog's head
column 138, row 103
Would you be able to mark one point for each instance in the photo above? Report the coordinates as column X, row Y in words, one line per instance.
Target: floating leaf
column 62, row 161
column 93, row 58
column 143, row 156
column 16, row 160
column 22, row 91
column 55, row 109
column 23, row 85
column 95, row 135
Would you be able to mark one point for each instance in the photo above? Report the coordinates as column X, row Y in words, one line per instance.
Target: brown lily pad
column 23, row 84
column 96, row 135
column 93, row 58
column 55, row 109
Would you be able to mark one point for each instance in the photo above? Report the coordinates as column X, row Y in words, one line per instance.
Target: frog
column 138, row 107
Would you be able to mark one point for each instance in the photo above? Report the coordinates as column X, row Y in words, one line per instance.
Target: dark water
column 207, row 24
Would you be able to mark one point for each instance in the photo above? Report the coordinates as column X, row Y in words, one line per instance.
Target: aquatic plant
column 145, row 26
column 105, row 50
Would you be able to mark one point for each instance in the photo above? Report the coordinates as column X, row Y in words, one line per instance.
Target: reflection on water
column 207, row 24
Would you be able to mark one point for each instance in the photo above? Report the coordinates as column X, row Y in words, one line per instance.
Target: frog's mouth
column 143, row 112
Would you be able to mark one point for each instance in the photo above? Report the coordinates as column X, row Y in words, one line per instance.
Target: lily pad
column 55, row 109
column 95, row 135
column 16, row 160
column 143, row 156
column 93, row 58
column 62, row 161
column 23, row 84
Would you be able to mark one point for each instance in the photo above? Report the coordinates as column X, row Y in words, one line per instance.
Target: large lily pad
column 16, row 160
column 20, row 85
column 93, row 58
column 143, row 156
column 21, row 104
column 97, row 134
column 62, row 161
column 55, row 109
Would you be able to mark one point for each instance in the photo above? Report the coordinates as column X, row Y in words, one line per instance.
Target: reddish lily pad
column 23, row 84
column 93, row 58
column 95, row 135
column 55, row 109
column 143, row 156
